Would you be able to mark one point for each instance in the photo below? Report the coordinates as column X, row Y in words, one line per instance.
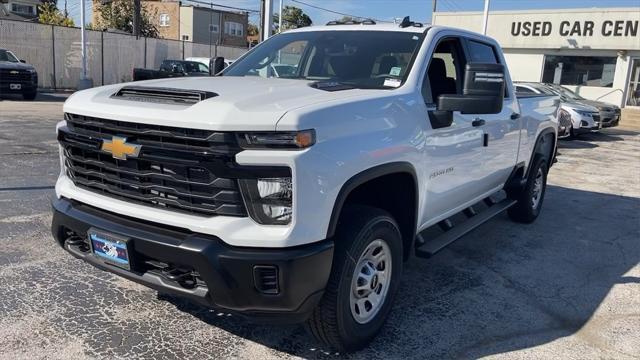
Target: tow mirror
column 483, row 91
column 216, row 65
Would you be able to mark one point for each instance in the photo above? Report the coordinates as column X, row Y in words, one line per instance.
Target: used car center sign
column 575, row 28
column 613, row 28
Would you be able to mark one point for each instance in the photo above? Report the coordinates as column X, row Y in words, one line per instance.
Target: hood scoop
column 162, row 95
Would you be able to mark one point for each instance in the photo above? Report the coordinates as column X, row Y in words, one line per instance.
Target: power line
column 337, row 12
column 223, row 6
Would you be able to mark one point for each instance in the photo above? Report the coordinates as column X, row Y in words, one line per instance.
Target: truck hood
column 243, row 103
column 15, row 65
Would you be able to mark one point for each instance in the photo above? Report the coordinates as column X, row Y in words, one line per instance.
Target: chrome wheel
column 370, row 281
column 537, row 188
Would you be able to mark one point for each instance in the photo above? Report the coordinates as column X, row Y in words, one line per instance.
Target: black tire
column 332, row 321
column 30, row 95
column 527, row 209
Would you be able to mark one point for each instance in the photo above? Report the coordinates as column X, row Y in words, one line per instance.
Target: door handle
column 477, row 122
column 515, row 116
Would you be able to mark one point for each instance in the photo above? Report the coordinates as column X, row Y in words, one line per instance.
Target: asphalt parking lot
column 567, row 286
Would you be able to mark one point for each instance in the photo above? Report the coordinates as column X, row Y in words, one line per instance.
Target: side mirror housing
column 483, row 91
column 216, row 65
column 22, row 61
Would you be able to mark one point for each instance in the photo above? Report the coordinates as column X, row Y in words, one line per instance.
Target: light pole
column 84, row 82
column 280, row 17
column 485, row 17
column 267, row 18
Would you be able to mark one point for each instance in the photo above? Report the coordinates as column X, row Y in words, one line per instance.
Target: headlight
column 32, row 71
column 277, row 140
column 586, row 113
column 268, row 200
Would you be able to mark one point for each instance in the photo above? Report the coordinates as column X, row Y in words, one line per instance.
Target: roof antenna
column 406, row 22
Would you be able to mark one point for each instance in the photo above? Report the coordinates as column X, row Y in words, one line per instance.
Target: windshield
column 7, row 56
column 362, row 59
column 568, row 93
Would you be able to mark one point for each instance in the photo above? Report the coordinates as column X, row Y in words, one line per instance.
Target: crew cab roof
column 363, row 27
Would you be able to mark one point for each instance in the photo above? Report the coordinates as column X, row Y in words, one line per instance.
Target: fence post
column 102, row 59
column 53, row 52
column 145, row 52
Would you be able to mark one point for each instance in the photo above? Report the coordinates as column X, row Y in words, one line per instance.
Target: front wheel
column 364, row 280
column 31, row 95
column 531, row 196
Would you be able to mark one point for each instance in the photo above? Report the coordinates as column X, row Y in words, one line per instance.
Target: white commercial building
column 595, row 52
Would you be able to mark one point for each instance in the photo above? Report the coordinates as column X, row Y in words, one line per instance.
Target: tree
column 118, row 14
column 252, row 30
column 292, row 18
column 49, row 14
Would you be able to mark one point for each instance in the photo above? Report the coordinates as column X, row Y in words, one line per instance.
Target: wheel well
column 395, row 193
column 546, row 146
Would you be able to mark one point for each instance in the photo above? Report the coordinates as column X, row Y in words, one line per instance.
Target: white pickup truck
column 298, row 197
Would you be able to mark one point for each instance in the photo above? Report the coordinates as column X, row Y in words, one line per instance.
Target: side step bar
column 427, row 248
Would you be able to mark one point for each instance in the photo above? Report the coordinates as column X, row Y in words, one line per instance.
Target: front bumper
column 26, row 85
column 225, row 277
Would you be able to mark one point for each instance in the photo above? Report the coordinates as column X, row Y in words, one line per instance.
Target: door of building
column 633, row 92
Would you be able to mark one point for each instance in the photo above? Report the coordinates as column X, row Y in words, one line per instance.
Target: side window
column 445, row 72
column 482, row 53
column 523, row 90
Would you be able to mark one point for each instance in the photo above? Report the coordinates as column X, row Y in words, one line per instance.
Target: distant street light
column 84, row 82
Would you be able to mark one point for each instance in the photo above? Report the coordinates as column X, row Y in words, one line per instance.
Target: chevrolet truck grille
column 175, row 170
column 14, row 75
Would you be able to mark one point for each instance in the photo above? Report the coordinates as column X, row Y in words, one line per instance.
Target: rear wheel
column 531, row 196
column 364, row 280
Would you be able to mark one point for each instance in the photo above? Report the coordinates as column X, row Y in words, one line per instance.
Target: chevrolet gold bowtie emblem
column 119, row 149
column 13, row 72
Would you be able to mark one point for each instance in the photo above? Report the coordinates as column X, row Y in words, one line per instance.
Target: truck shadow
column 503, row 287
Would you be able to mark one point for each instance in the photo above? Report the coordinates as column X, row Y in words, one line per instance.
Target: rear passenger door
column 501, row 132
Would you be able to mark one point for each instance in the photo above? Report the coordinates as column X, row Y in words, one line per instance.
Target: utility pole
column 485, row 17
column 84, row 82
column 280, row 17
column 136, row 18
column 434, row 6
column 267, row 18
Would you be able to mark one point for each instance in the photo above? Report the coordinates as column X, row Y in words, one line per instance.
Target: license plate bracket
column 110, row 248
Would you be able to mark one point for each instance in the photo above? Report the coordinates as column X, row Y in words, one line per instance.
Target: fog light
column 268, row 200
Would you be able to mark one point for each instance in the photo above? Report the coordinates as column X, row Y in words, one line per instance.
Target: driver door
column 454, row 151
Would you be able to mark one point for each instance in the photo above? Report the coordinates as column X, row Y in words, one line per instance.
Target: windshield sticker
column 415, row 37
column 395, row 71
column 392, row 82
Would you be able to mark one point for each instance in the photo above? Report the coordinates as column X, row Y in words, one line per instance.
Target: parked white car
column 297, row 196
column 205, row 61
column 574, row 118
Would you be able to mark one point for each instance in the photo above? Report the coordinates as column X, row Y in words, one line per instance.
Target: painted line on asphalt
column 27, row 188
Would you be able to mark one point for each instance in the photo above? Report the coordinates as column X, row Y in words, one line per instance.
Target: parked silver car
column 574, row 117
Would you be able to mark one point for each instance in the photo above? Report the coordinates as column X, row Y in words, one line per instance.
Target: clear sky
column 419, row 10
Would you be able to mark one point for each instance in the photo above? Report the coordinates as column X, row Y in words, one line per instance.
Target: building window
column 23, row 9
column 164, row 19
column 214, row 28
column 579, row 70
column 233, row 28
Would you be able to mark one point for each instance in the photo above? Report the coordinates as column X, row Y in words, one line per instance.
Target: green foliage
column 118, row 14
column 49, row 14
column 252, row 30
column 292, row 18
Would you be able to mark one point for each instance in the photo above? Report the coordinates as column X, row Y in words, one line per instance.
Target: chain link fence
column 55, row 52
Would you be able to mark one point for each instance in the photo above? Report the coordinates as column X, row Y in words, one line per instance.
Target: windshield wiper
column 332, row 85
